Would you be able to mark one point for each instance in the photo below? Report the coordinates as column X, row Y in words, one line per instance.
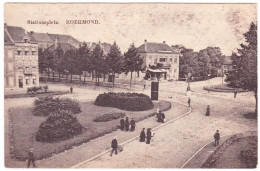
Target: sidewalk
column 83, row 152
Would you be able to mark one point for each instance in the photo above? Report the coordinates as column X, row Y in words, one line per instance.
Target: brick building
column 20, row 58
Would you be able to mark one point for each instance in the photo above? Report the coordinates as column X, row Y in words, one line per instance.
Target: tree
column 58, row 61
column 244, row 61
column 132, row 61
column 83, row 55
column 114, row 60
column 98, row 62
column 70, row 62
column 48, row 60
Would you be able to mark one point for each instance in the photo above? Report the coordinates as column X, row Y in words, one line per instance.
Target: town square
column 159, row 86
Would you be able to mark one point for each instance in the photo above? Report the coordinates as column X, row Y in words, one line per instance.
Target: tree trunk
column 84, row 79
column 98, row 77
column 113, row 79
column 52, row 76
column 131, row 80
column 80, row 79
column 59, row 77
column 71, row 78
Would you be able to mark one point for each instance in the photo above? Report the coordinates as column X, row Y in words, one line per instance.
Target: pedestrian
column 126, row 124
column 208, row 111
column 30, row 158
column 142, row 135
column 148, row 136
column 114, row 146
column 159, row 117
column 132, row 123
column 144, row 86
column 189, row 102
column 122, row 124
column 235, row 93
column 163, row 117
column 71, row 89
column 217, row 138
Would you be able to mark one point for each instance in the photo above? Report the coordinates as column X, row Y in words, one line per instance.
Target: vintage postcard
column 130, row 85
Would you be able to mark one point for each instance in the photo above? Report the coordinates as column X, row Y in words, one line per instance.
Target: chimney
column 145, row 45
column 56, row 42
column 5, row 26
column 163, row 41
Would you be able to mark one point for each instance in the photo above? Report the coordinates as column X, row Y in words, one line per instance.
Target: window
column 26, row 52
column 163, row 59
column 19, row 52
column 170, row 60
column 34, row 81
column 20, row 69
column 33, row 52
column 27, row 81
column 27, row 68
column 155, row 61
column 175, row 60
column 25, row 40
column 34, row 68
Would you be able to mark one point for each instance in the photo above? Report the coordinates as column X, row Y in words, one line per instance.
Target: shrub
column 249, row 153
column 34, row 89
column 125, row 101
column 108, row 117
column 60, row 125
column 44, row 106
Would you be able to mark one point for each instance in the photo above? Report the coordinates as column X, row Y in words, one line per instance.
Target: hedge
column 108, row 117
column 125, row 101
column 44, row 106
column 60, row 125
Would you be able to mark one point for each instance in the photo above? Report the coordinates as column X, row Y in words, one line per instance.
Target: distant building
column 155, row 54
column 20, row 58
column 227, row 64
column 104, row 46
column 46, row 40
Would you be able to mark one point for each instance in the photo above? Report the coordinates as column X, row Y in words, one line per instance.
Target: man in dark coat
column 189, row 102
column 71, row 89
column 114, row 146
column 142, row 136
column 132, row 123
column 122, row 124
column 148, row 136
column 163, row 117
column 208, row 111
column 126, row 124
column 30, row 158
column 217, row 137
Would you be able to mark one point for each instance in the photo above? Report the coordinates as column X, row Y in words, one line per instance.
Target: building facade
column 20, row 58
column 160, row 54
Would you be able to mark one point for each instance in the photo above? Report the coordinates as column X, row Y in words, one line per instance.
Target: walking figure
column 126, row 124
column 71, row 89
column 157, row 112
column 30, row 158
column 208, row 111
column 122, row 124
column 148, row 136
column 235, row 93
column 114, row 146
column 144, row 86
column 217, row 138
column 132, row 123
column 189, row 102
column 142, row 135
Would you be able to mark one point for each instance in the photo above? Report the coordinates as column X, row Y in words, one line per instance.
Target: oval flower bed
column 125, row 101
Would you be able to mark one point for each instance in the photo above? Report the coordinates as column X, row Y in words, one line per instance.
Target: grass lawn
column 49, row 93
column 25, row 126
column 222, row 88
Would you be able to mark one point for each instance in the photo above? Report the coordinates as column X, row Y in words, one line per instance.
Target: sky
column 195, row 26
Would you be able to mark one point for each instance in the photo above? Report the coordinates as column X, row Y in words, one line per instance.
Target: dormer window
column 25, row 40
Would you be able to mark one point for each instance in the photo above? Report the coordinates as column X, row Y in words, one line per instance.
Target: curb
column 136, row 137
column 225, row 143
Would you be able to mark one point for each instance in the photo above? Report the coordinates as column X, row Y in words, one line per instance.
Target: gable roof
column 156, row 48
column 63, row 38
column 7, row 39
column 41, row 37
column 17, row 33
column 227, row 60
column 64, row 46
column 105, row 46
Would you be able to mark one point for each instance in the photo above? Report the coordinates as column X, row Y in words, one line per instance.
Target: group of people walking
column 125, row 124
column 148, row 136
